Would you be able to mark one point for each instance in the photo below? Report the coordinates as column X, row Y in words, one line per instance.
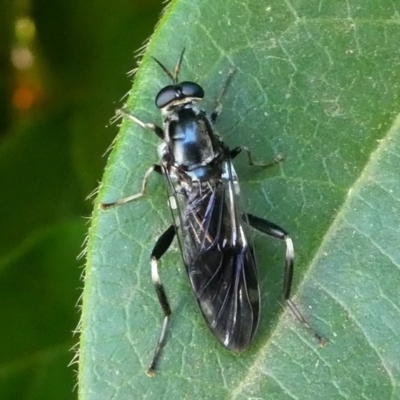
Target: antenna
column 174, row 78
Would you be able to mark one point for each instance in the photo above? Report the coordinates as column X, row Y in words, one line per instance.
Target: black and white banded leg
column 237, row 150
column 218, row 105
column 271, row 229
column 155, row 168
column 145, row 125
column 162, row 245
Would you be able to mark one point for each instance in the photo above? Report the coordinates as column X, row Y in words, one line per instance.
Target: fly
column 211, row 227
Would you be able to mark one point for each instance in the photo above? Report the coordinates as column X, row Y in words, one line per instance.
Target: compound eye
column 192, row 89
column 165, row 96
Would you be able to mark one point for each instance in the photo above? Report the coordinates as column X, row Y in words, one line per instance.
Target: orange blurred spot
column 23, row 98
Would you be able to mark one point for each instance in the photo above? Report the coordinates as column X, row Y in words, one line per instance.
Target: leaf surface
column 318, row 83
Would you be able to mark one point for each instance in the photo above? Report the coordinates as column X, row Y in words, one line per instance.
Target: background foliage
column 50, row 160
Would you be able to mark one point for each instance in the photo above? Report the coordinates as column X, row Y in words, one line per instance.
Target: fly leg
column 155, row 168
column 160, row 248
column 269, row 228
column 237, row 150
column 218, row 105
column 145, row 125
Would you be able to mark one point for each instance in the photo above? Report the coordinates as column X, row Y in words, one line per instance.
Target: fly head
column 178, row 94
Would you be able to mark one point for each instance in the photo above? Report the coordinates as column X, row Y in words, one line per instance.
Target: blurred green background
column 63, row 73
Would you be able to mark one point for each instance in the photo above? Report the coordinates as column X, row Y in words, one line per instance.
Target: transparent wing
column 218, row 257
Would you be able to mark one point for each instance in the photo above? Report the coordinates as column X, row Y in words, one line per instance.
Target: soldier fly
column 211, row 227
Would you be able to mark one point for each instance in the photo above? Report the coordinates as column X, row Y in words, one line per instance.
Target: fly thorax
column 190, row 138
column 163, row 150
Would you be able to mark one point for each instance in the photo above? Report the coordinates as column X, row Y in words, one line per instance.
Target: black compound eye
column 176, row 92
column 192, row 89
column 166, row 95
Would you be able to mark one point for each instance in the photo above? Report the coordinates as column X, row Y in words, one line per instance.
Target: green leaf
column 317, row 82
